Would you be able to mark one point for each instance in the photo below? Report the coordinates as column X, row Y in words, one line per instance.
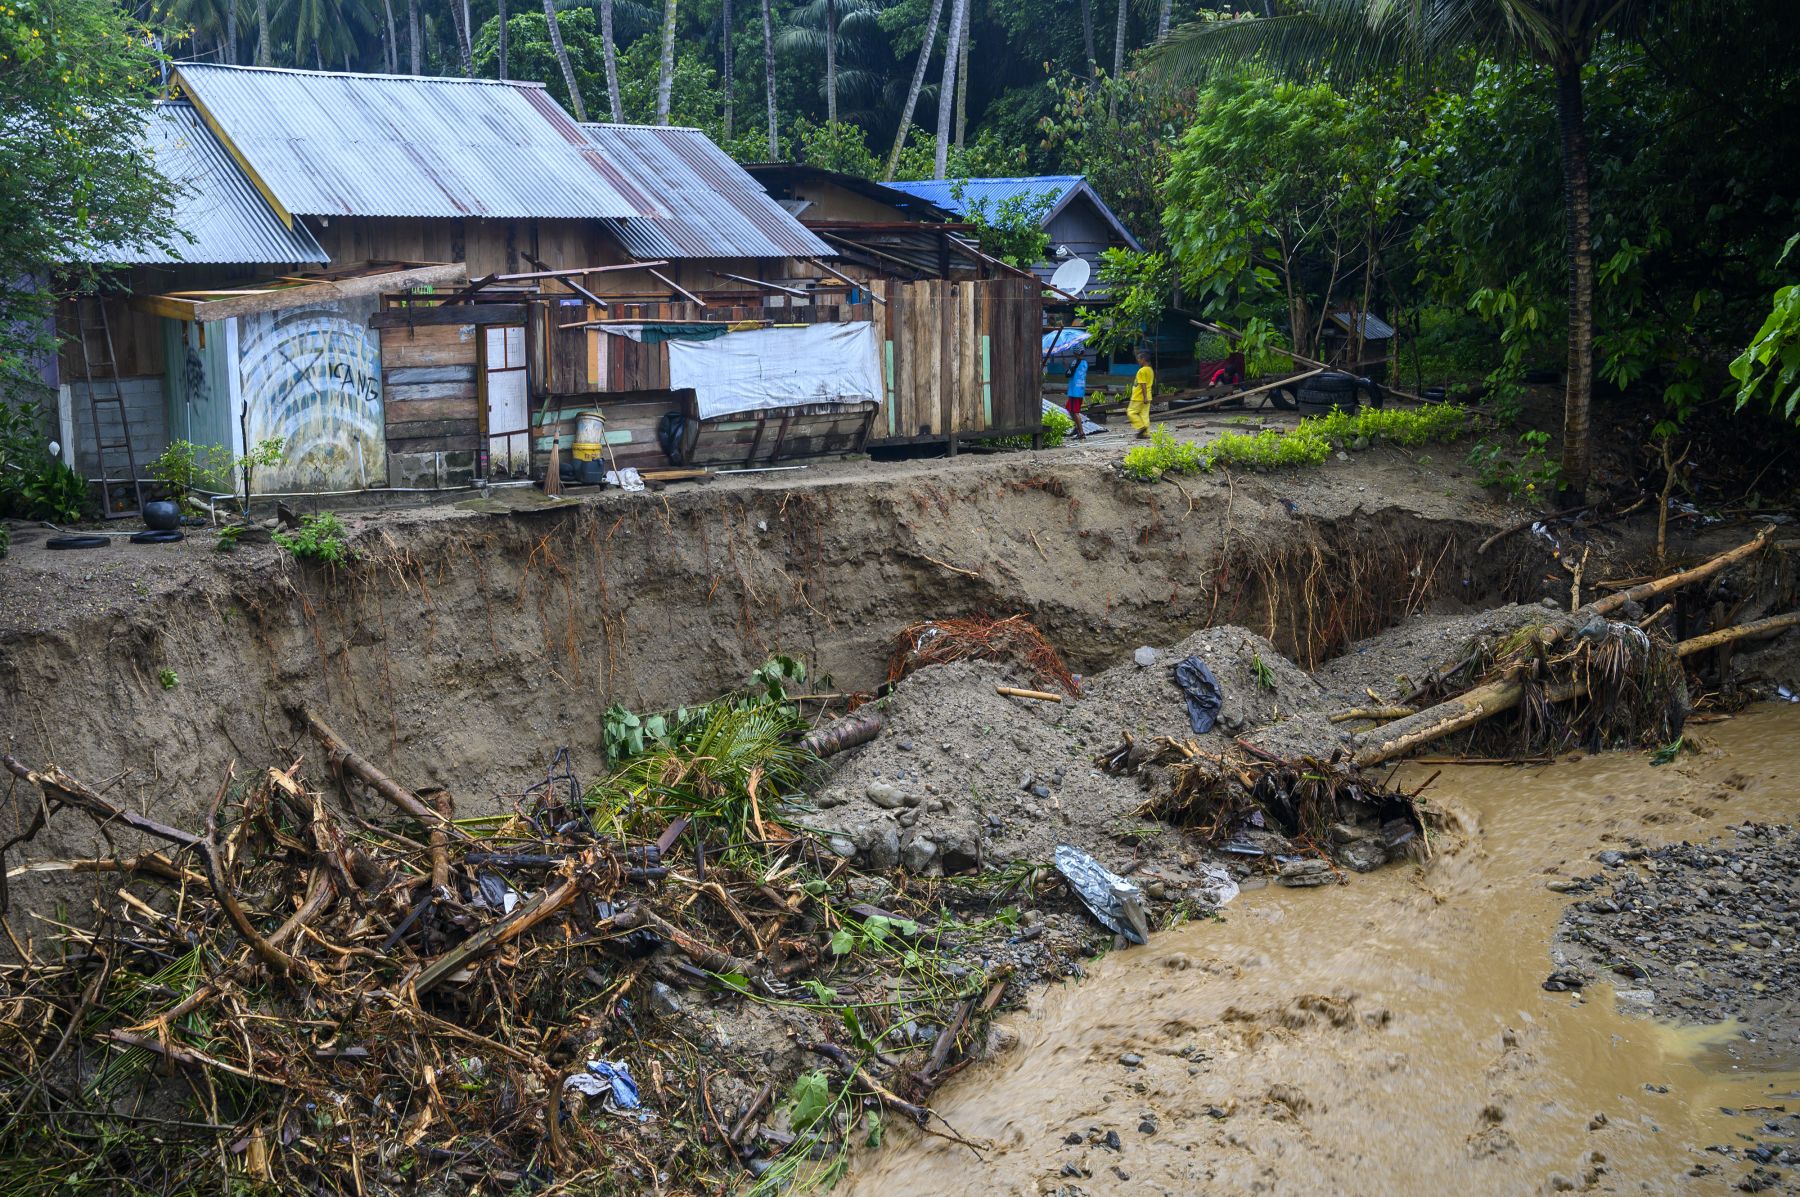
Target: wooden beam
column 578, row 272
column 438, row 314
column 275, row 299
column 676, row 287
column 847, row 279
column 756, row 282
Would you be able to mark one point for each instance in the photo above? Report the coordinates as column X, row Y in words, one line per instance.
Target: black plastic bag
column 1204, row 698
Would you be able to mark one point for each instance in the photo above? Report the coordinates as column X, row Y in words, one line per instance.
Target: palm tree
column 962, row 75
column 459, row 21
column 1087, row 41
column 262, row 32
column 768, row 23
column 391, row 52
column 1559, row 35
column 726, row 72
column 1162, row 20
column 609, row 49
column 562, row 60
column 831, row 61
column 912, row 92
column 502, row 34
column 665, row 69
column 412, row 31
column 947, row 89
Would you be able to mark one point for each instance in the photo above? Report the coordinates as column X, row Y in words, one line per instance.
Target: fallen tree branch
column 1743, row 631
column 1373, row 713
column 345, row 758
column 1706, row 569
column 265, row 951
column 58, row 786
column 525, row 916
column 190, row 1057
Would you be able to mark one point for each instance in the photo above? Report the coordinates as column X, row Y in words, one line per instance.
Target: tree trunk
column 726, row 74
column 962, row 75
column 831, row 61
column 462, row 37
column 231, row 15
column 562, row 60
column 262, row 32
column 768, row 23
column 947, row 88
column 609, row 51
column 1578, row 389
column 665, row 68
column 502, row 47
column 393, row 38
column 1087, row 41
column 1162, row 20
column 1112, row 103
column 918, row 83
column 412, row 31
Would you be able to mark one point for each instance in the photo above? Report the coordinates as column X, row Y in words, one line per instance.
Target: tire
column 159, row 536
column 78, row 542
column 1284, row 399
column 1322, row 392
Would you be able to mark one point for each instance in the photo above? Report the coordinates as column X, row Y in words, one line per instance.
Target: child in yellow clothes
column 1142, row 388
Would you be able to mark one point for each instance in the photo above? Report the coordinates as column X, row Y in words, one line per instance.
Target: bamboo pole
column 1742, row 631
column 1039, row 695
column 1706, row 569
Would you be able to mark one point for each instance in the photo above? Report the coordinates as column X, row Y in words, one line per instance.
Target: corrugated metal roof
column 325, row 143
column 1059, row 189
column 715, row 209
column 225, row 220
column 1374, row 327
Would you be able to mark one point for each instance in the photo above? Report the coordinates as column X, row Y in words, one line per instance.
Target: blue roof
column 1060, row 190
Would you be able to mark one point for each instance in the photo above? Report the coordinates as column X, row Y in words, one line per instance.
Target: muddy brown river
column 1391, row 1036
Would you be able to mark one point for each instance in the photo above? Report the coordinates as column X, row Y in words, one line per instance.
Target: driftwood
column 343, row 757
column 58, row 786
column 1373, row 713
column 1743, row 631
column 1039, row 695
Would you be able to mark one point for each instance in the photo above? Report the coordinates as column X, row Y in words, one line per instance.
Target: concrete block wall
column 146, row 410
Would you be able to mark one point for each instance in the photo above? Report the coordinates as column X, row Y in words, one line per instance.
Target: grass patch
column 1308, row 444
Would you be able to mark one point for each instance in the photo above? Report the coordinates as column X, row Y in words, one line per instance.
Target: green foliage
column 76, row 81
column 1119, row 134
column 185, row 466
column 1309, row 443
column 1259, row 669
column 1140, row 284
column 33, row 484
column 1772, row 359
column 809, row 1099
column 320, row 538
column 167, row 678
column 1011, row 229
column 1530, row 475
column 1057, row 428
column 836, row 146
column 986, row 157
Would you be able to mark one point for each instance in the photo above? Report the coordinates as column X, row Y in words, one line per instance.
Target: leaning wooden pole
column 1704, row 570
column 343, row 757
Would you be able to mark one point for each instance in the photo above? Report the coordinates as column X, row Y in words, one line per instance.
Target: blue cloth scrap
column 604, row 1077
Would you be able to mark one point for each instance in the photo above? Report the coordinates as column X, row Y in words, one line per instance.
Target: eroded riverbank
column 1392, row 1036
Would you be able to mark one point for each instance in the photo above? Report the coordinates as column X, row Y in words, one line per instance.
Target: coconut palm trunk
column 918, row 84
column 502, row 46
column 462, row 37
column 231, row 31
column 412, row 32
column 665, row 69
column 562, row 61
column 947, row 89
column 1087, row 41
column 392, row 56
column 726, row 79
column 1162, row 20
column 768, row 24
column 962, row 76
column 609, row 51
column 262, row 32
column 1118, row 56
column 1578, row 385
column 831, row 61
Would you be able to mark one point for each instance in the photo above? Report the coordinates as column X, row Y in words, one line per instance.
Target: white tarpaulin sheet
column 779, row 367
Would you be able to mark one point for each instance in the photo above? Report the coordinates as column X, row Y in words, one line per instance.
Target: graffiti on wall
column 312, row 376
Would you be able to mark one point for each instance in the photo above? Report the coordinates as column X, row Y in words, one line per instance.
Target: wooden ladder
column 106, row 396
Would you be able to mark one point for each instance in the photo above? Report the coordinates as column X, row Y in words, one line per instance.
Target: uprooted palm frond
column 978, row 638
column 724, row 774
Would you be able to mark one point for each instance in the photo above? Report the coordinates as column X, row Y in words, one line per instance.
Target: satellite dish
column 1071, row 276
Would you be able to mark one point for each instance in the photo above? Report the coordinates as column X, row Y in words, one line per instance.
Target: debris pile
column 1260, row 807
column 979, row 638
column 303, row 998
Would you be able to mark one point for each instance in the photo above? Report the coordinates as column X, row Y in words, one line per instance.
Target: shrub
column 1162, row 455
column 1309, row 443
column 1057, row 427
column 34, row 485
column 185, row 466
column 319, row 538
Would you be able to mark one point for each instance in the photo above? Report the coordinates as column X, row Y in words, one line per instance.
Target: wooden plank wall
column 964, row 359
column 429, row 386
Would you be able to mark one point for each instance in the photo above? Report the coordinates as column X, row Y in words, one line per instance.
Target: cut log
column 1468, row 709
column 1706, row 569
column 1743, row 631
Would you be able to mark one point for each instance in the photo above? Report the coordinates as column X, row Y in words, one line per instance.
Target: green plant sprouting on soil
column 1309, row 443
column 321, row 538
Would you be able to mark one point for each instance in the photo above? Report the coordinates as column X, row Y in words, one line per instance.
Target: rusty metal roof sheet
column 714, row 208
column 323, row 143
column 221, row 218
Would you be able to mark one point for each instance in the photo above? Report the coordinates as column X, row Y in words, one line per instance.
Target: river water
column 1391, row 1036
